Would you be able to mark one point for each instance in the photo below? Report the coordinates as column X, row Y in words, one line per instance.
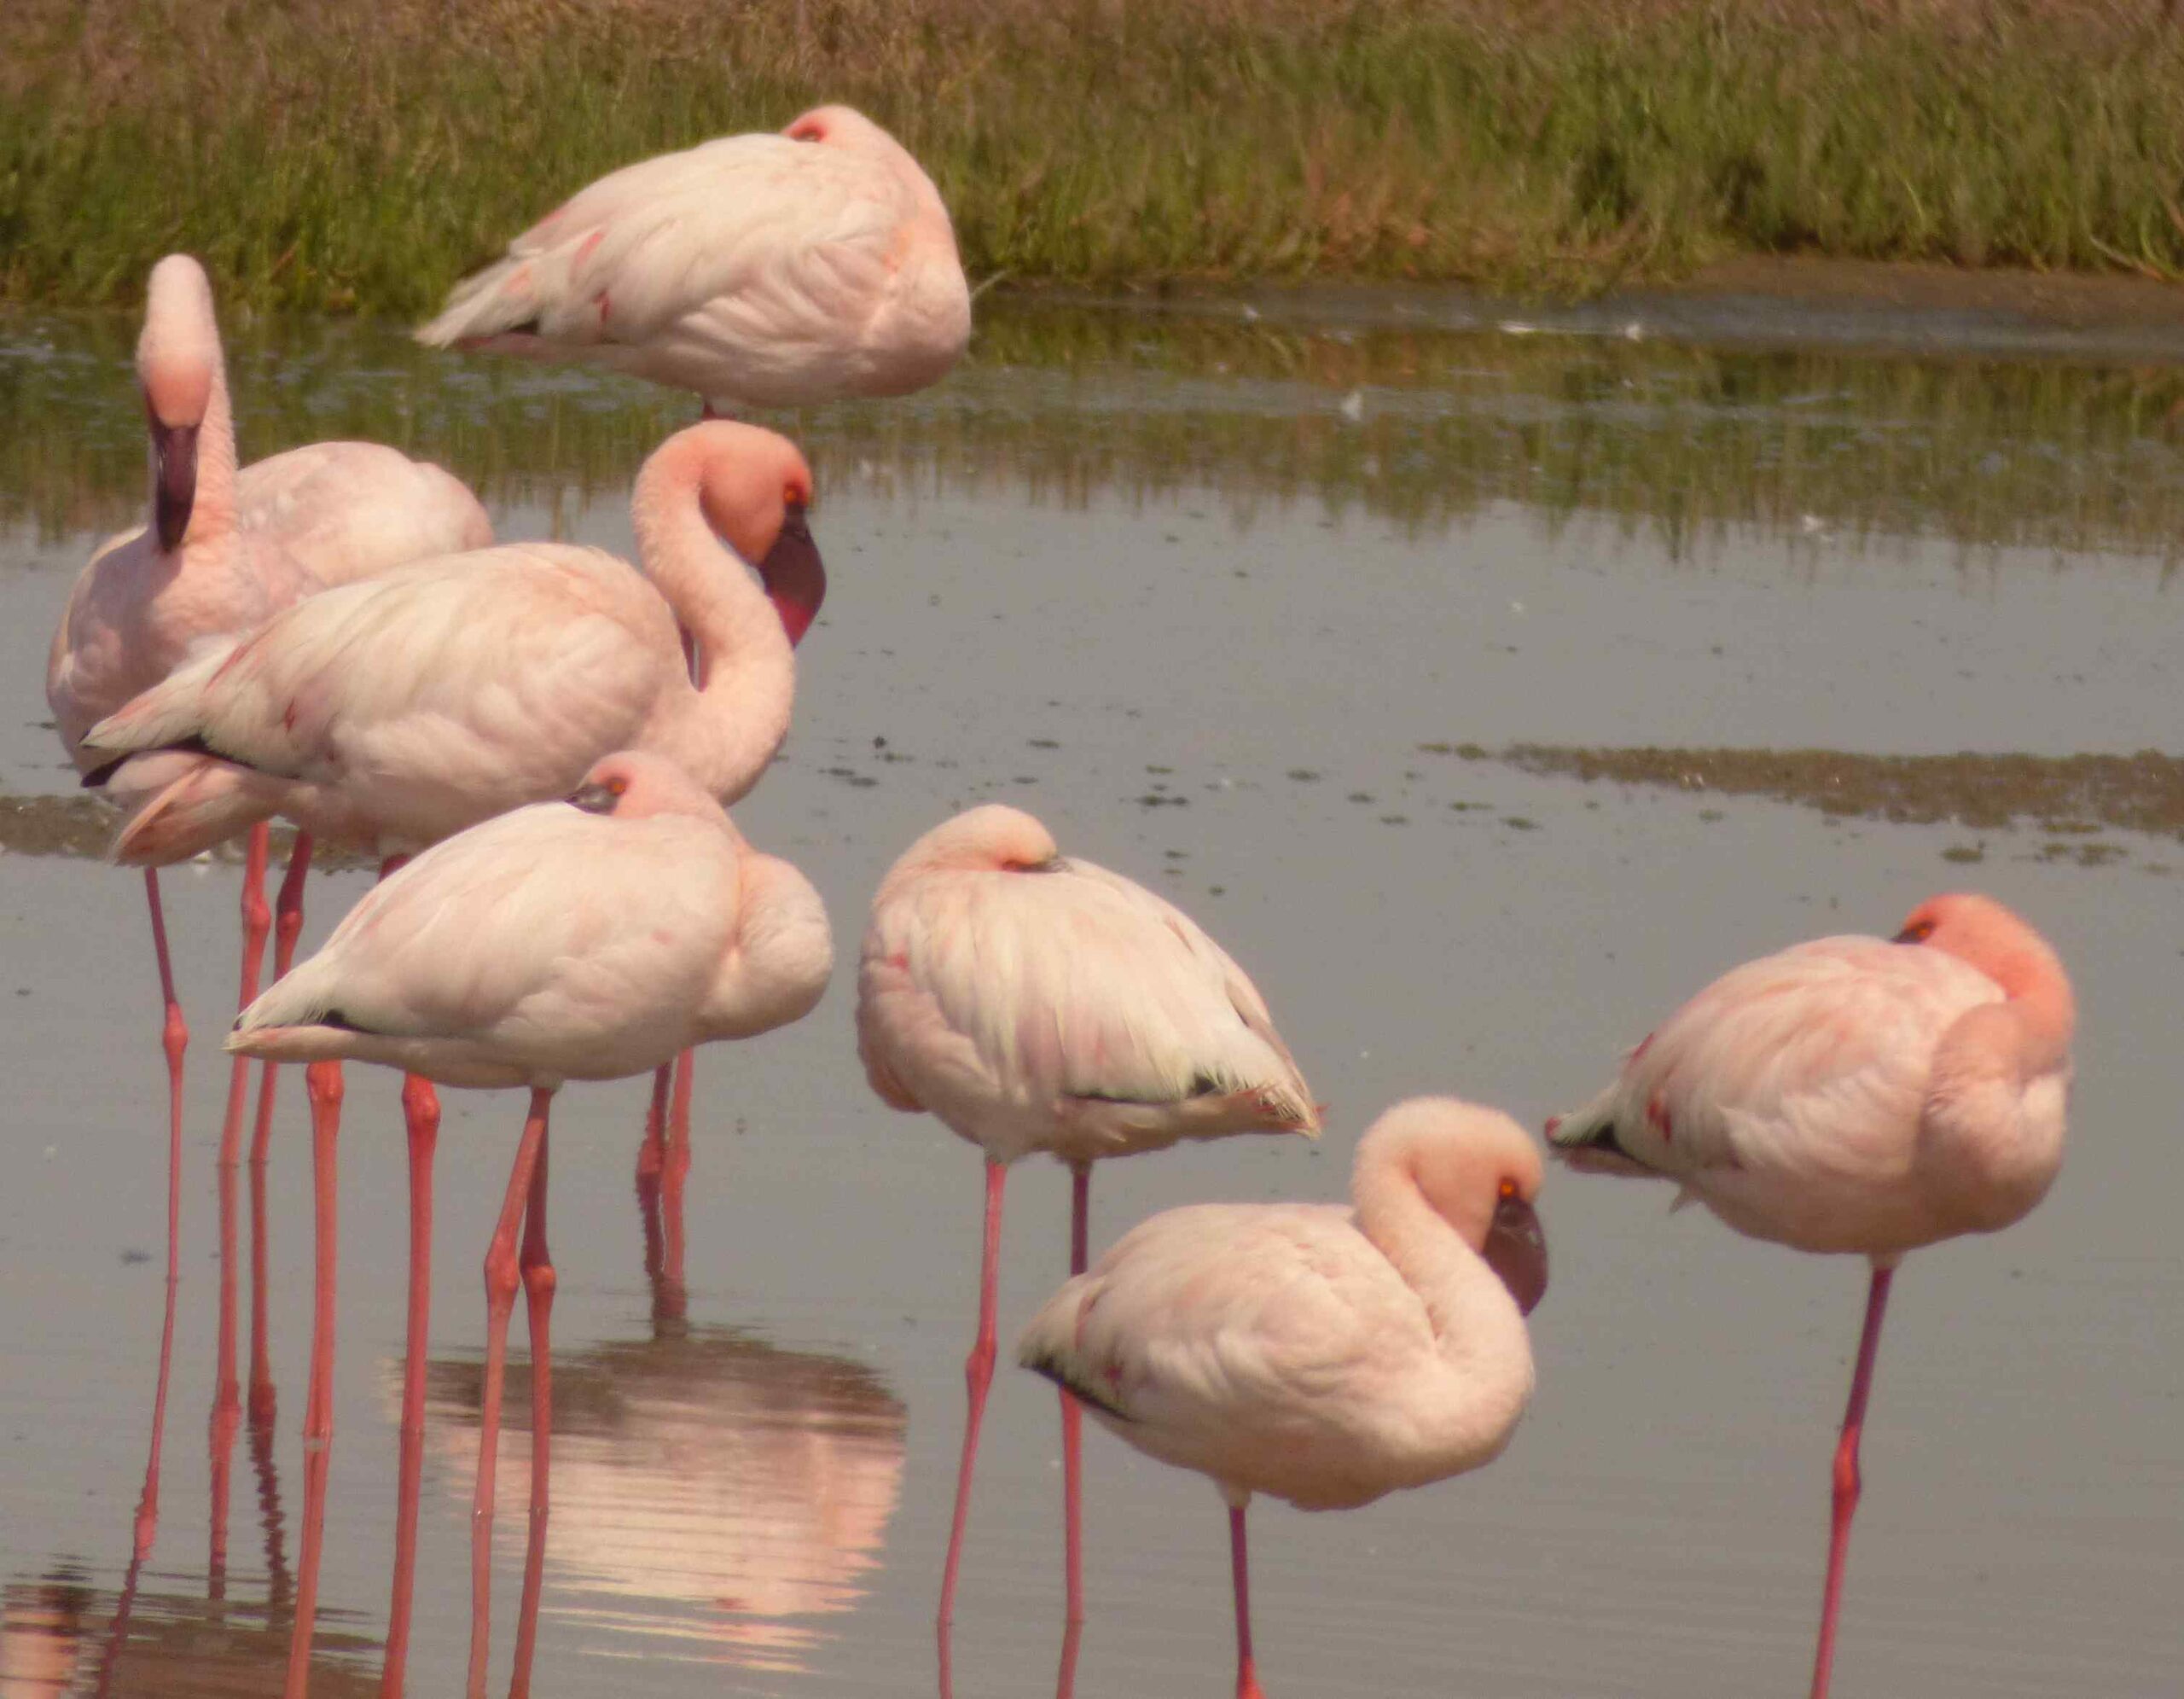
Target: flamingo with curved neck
column 1398, row 1356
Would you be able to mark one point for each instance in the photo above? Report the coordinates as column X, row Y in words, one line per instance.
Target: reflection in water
column 2068, row 797
column 1425, row 427
column 707, row 1486
column 55, row 1634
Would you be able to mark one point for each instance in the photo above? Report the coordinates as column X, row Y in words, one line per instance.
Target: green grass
column 328, row 157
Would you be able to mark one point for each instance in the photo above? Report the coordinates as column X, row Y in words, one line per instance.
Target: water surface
column 1483, row 694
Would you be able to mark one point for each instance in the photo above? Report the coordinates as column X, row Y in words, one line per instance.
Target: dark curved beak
column 174, row 490
column 1516, row 1249
column 1907, row 936
column 594, row 799
column 794, row 575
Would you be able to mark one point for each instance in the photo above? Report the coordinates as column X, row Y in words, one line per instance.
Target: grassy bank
column 324, row 156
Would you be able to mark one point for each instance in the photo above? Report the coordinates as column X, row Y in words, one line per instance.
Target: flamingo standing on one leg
column 1035, row 1003
column 1855, row 1095
column 1326, row 1355
column 586, row 940
column 761, row 270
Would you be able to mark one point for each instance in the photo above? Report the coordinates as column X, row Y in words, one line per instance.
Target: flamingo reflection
column 708, row 1485
column 57, row 1638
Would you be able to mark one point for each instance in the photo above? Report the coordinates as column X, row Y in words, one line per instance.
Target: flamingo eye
column 618, row 785
column 1918, row 931
column 1509, row 1189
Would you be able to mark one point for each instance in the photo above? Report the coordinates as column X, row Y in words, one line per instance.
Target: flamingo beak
column 1516, row 1249
column 174, row 449
column 595, row 798
column 794, row 576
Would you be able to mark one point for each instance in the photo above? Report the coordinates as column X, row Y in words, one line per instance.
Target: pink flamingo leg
column 650, row 1158
column 539, row 1282
column 227, row 1400
column 501, row 1277
column 1247, row 1679
column 323, row 1081
column 977, row 1375
column 672, row 1294
column 420, row 1110
column 256, row 919
column 287, row 928
column 174, row 1039
column 1072, row 1454
column 1846, row 1476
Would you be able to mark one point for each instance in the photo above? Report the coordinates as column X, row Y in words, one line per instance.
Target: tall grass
column 324, row 155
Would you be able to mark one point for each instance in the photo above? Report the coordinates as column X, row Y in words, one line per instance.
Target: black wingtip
column 99, row 775
column 1056, row 1371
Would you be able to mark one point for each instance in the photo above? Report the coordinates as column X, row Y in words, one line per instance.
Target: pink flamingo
column 591, row 939
column 221, row 550
column 1325, row 1355
column 758, row 270
column 1034, row 1002
column 1855, row 1095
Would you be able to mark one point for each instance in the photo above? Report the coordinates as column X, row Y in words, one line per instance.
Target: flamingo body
column 758, row 270
column 1035, row 1002
column 1852, row 1094
column 395, row 712
column 1323, row 1354
column 560, row 942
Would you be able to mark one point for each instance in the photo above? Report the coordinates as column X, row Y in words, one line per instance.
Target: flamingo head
column 634, row 784
column 754, row 488
column 1982, row 933
column 992, row 837
column 177, row 365
column 1480, row 1171
column 834, row 125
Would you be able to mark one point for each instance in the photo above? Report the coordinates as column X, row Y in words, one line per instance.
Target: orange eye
column 1509, row 1189
column 617, row 785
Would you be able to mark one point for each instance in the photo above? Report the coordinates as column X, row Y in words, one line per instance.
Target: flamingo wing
column 802, row 234
column 1063, row 983
column 502, row 669
column 345, row 510
column 1223, row 1320
column 518, row 929
column 1814, row 1058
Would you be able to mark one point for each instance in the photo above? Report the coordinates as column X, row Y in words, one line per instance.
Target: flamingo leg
column 977, row 1375
column 256, row 919
column 1247, row 1679
column 501, row 1277
column 672, row 1294
column 1072, row 1457
column 420, row 1110
column 287, row 928
column 227, row 1400
column 174, row 1039
column 536, row 1263
column 323, row 1081
column 1847, row 1482
column 650, row 1159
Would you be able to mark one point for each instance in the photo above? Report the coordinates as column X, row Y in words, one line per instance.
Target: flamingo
column 1328, row 1356
column 590, row 938
column 1035, row 1003
column 758, row 270
column 1855, row 1095
column 220, row 550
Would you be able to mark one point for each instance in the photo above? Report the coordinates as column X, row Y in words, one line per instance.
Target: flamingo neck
column 1432, row 1253
column 735, row 722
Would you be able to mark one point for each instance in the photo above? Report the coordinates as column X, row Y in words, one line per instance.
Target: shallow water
column 1259, row 613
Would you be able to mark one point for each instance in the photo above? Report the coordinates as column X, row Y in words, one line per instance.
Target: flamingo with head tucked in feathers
column 758, row 270
column 1855, row 1095
column 588, row 938
column 1034, row 1002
